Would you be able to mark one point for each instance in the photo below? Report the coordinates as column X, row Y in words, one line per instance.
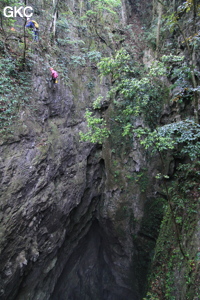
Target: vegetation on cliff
column 147, row 94
column 138, row 90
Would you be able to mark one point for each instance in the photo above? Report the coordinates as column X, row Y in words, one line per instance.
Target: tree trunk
column 159, row 10
column 54, row 19
column 174, row 5
column 154, row 10
column 25, row 46
column 196, row 93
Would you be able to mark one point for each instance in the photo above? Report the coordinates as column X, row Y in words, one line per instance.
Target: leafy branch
column 184, row 139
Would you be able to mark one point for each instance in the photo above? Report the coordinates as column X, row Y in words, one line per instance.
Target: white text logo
column 20, row 11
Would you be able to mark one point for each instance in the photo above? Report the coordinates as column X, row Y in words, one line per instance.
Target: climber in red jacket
column 54, row 75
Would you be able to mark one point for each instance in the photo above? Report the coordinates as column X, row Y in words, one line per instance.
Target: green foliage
column 186, row 134
column 63, row 24
column 97, row 103
column 138, row 92
column 172, row 58
column 183, row 138
column 98, row 14
column 184, row 194
column 77, row 60
column 100, row 6
column 179, row 72
column 98, row 130
column 7, row 99
column 94, row 56
column 134, row 93
column 181, row 216
column 150, row 296
column 6, row 23
column 173, row 18
column 15, row 88
column 179, row 32
column 81, row 60
column 117, row 66
column 142, row 179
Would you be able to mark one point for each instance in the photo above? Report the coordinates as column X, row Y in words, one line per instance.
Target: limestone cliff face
column 69, row 218
column 50, row 184
column 65, row 230
column 78, row 220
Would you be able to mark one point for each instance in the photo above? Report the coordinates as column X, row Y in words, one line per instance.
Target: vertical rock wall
column 74, row 217
column 50, row 188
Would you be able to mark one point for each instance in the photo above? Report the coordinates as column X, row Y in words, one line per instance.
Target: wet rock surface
column 67, row 223
column 71, row 223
